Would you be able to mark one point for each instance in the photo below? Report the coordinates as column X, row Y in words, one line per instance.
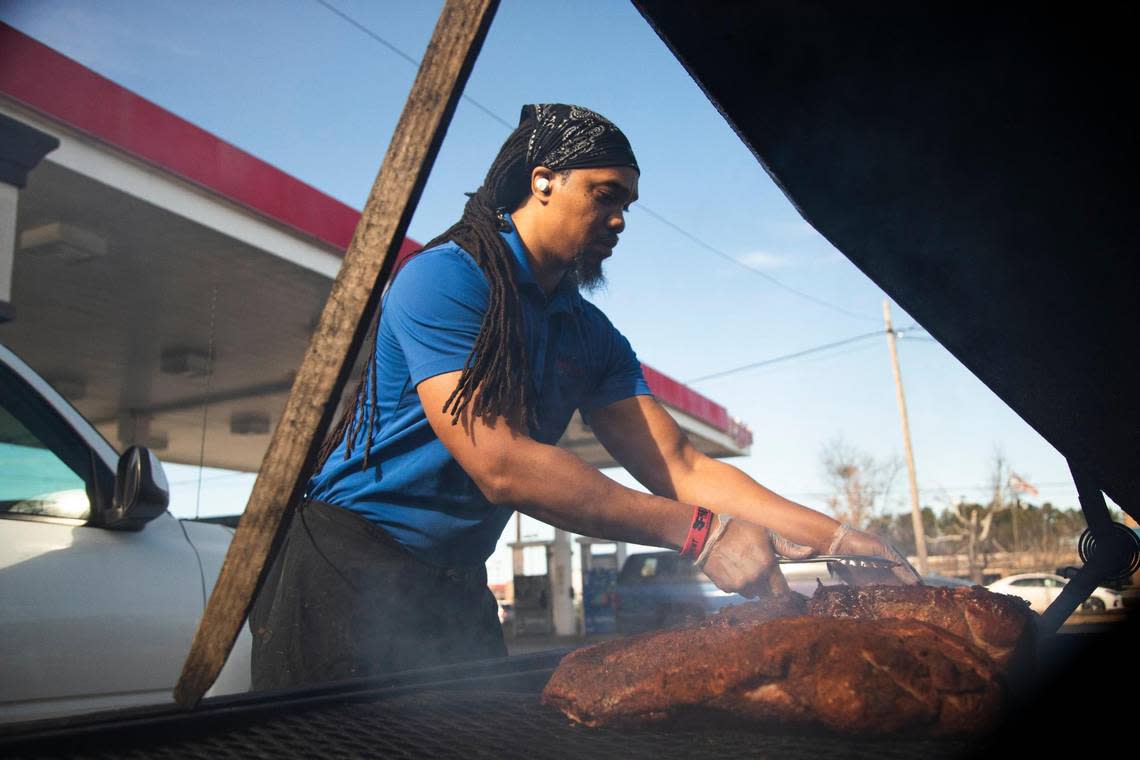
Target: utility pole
column 915, row 509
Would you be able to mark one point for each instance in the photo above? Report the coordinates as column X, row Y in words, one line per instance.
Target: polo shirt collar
column 564, row 298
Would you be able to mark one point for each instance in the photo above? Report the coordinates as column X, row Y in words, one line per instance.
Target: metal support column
column 21, row 149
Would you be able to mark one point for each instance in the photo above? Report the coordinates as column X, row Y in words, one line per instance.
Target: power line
column 369, row 32
column 785, row 357
column 349, row 19
column 210, row 478
column 817, row 349
column 819, row 357
column 754, row 270
column 659, row 217
column 928, row 490
column 912, row 332
column 989, row 486
column 908, row 333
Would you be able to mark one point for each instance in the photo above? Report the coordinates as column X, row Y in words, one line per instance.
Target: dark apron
column 343, row 599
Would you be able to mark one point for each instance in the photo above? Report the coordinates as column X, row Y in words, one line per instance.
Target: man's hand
column 743, row 560
column 847, row 540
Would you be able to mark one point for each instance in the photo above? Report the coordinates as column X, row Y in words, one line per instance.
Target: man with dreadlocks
column 483, row 351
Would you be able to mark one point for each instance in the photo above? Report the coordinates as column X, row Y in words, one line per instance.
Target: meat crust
column 760, row 611
column 872, row 660
column 864, row 677
column 1002, row 626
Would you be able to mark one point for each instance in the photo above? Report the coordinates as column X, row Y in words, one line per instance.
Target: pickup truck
column 101, row 588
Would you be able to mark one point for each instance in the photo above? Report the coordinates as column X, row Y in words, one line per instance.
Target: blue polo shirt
column 431, row 316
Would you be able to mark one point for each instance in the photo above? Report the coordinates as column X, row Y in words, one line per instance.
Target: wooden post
column 975, row 568
column 1016, row 543
column 915, row 509
column 447, row 62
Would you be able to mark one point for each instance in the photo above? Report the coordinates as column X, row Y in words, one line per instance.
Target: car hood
column 978, row 176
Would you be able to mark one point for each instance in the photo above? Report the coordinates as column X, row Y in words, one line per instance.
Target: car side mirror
column 141, row 491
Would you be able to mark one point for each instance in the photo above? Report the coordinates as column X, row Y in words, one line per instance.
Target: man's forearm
column 723, row 488
column 647, row 440
column 553, row 485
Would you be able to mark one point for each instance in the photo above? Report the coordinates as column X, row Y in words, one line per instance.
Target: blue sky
column 302, row 88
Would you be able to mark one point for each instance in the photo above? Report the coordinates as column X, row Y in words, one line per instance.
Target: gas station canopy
column 168, row 283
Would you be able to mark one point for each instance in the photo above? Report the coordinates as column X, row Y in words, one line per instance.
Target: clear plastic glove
column 847, row 540
column 741, row 557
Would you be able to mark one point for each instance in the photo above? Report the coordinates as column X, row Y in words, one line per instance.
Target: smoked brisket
column 871, row 662
column 1000, row 625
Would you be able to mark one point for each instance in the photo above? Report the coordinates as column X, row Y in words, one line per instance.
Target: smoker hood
column 977, row 165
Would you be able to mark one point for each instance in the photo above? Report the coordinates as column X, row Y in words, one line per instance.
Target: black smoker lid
column 977, row 163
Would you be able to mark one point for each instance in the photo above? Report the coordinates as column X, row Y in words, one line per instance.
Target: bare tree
column 860, row 484
column 976, row 520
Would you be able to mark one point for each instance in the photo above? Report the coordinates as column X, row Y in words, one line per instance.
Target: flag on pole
column 1019, row 485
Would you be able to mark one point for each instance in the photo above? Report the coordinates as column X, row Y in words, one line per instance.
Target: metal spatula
column 847, row 560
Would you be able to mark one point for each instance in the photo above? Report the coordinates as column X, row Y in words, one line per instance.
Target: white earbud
column 543, row 184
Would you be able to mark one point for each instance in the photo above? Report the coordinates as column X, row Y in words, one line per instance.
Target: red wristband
column 698, row 533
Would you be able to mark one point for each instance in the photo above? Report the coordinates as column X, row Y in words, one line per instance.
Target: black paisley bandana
column 572, row 137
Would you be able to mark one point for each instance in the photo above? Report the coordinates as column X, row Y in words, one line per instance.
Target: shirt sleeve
column 621, row 375
column 434, row 310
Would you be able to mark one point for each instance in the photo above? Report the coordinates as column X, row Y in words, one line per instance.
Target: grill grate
column 491, row 710
column 467, row 724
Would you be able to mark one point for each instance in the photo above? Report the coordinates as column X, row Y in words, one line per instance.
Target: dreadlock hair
column 494, row 380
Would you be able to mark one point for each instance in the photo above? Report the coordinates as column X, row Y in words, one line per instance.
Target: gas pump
column 599, row 583
column 544, row 602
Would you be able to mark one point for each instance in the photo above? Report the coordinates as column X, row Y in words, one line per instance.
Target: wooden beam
column 450, row 55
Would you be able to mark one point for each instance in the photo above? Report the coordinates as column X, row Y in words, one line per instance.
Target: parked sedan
column 659, row 589
column 1040, row 589
column 101, row 588
column 945, row 580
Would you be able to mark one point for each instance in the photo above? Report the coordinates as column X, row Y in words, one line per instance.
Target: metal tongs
column 847, row 560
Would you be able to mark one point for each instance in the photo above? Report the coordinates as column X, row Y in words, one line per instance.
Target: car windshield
column 44, row 470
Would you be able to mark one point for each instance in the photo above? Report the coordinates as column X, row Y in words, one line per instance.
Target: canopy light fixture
column 249, row 423
column 65, row 241
column 185, row 362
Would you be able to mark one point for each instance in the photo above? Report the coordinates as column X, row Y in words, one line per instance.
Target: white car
column 101, row 588
column 1040, row 589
